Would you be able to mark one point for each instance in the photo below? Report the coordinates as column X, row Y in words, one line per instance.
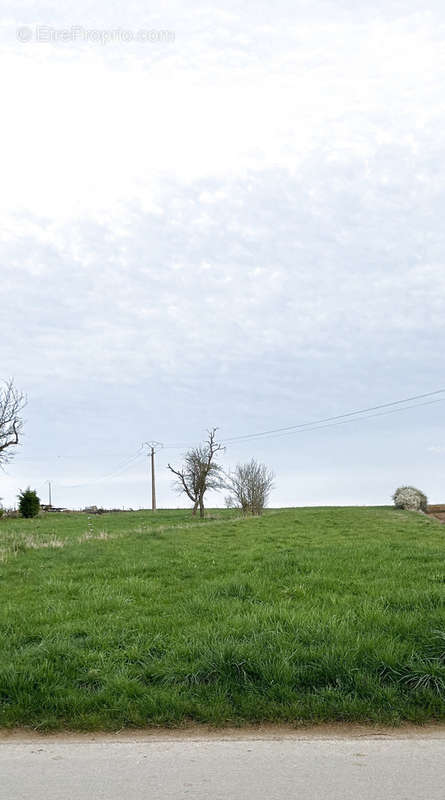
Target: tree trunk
column 201, row 507
column 194, row 509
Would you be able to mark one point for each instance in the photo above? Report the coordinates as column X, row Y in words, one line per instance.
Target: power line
column 290, row 428
column 117, row 471
column 339, row 419
column 56, row 455
column 348, row 421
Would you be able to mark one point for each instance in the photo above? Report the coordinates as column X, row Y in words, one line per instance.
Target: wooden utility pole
column 153, row 482
column 152, row 449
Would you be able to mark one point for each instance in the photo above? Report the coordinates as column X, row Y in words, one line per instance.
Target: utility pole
column 152, row 448
column 153, row 483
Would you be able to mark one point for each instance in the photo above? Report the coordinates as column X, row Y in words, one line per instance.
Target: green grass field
column 302, row 615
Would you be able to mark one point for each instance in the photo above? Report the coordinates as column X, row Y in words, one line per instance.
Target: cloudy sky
column 238, row 224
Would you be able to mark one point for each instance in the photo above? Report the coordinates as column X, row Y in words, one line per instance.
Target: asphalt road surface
column 261, row 766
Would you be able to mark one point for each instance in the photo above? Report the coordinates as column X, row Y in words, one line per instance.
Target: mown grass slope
column 301, row 615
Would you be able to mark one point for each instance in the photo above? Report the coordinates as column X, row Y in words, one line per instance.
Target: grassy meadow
column 142, row 619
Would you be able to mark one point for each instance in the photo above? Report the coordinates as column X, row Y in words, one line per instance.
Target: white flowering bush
column 410, row 499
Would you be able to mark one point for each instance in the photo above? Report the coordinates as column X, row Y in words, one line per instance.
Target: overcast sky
column 239, row 226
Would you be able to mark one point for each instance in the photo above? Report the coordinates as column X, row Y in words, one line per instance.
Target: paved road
column 377, row 767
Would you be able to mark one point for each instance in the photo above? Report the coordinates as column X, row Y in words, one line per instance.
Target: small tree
column 200, row 472
column 12, row 403
column 29, row 503
column 250, row 486
column 410, row 499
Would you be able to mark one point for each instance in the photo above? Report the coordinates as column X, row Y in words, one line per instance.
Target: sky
column 223, row 215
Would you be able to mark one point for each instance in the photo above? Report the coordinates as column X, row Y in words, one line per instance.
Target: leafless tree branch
column 200, row 471
column 249, row 486
column 12, row 403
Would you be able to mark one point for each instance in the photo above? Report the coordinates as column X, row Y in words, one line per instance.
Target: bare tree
column 249, row 486
column 200, row 472
column 12, row 402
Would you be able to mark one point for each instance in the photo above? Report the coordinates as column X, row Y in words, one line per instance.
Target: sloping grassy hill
column 301, row 615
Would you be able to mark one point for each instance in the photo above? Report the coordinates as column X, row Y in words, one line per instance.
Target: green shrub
column 29, row 503
column 410, row 499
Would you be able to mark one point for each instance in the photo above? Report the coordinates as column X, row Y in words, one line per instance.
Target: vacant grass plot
column 301, row 615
